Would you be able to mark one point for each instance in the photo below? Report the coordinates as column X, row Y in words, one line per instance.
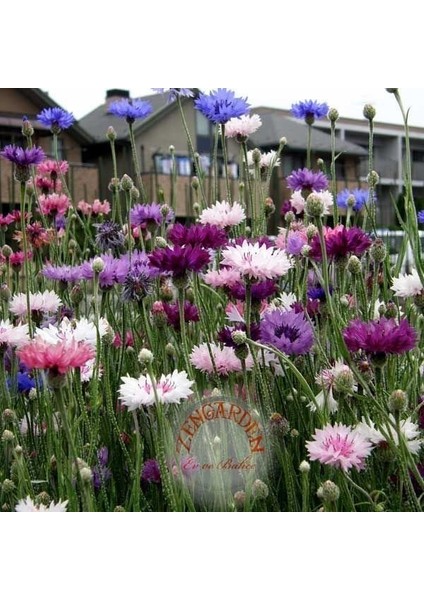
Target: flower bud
column 304, row 467
column 7, row 436
column 239, row 499
column 239, row 337
column 5, row 292
column 8, row 486
column 289, row 217
column 76, row 295
column 171, row 149
column 369, row 112
column 145, row 357
column 161, row 242
column 373, row 179
column 111, row 134
column 6, row 251
column 256, row 156
column 344, row 381
column 27, row 128
column 314, row 206
column 378, row 251
column 397, row 401
column 333, row 115
column 9, row 415
column 126, row 183
column 311, row 231
column 354, row 265
column 114, row 185
column 86, row 474
column 329, row 492
column 98, row 265
column 260, row 490
column 134, row 194
column 195, row 183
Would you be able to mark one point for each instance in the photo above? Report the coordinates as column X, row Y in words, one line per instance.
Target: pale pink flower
column 407, row 286
column 11, row 335
column 60, row 357
column 328, row 379
column 27, row 505
column 223, row 214
column 222, row 278
column 340, row 446
column 85, row 207
column 48, row 167
column 87, row 370
column 101, row 208
column 224, row 362
column 256, row 262
column 44, row 302
column 54, row 204
column 268, row 160
column 170, row 389
column 242, row 127
column 298, row 202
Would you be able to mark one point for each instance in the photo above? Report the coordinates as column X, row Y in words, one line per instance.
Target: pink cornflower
column 257, row 262
column 340, row 379
column 97, row 208
column 340, row 446
column 54, row 204
column 58, row 357
column 53, row 168
column 6, row 220
column 222, row 278
column 224, row 362
column 17, row 259
column 223, row 214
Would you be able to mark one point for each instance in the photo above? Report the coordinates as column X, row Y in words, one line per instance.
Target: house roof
column 43, row 100
column 276, row 125
column 98, row 120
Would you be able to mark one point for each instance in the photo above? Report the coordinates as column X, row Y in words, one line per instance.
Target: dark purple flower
column 288, row 331
column 286, row 207
column 101, row 472
column 56, row 119
column 225, row 335
column 178, row 260
column 318, row 293
column 173, row 314
column 23, row 157
column 259, row 291
column 151, row 472
column 60, row 222
column 109, row 236
column 341, row 242
column 174, row 93
column 137, row 284
column 379, row 338
column 309, row 110
column 206, row 236
column 65, row 274
column 149, row 216
column 130, row 109
column 221, row 105
column 421, row 216
column 304, row 179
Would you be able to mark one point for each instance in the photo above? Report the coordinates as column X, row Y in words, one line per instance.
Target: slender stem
column 136, row 163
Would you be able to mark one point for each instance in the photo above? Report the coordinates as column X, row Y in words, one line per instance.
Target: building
column 82, row 178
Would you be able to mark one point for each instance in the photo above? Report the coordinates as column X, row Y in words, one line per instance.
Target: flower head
column 56, row 119
column 407, row 286
column 65, row 273
column 130, row 109
column 179, row 260
column 242, row 127
column 221, row 105
column 256, row 262
column 174, row 93
column 305, row 179
column 341, row 242
column 109, row 236
column 170, row 389
column 355, row 199
column 309, row 110
column 173, row 314
column 379, row 338
column 379, row 435
column 288, row 331
column 340, row 446
column 205, row 236
column 23, row 158
column 151, row 472
column 27, row 505
column 41, row 302
column 420, row 216
column 210, row 358
column 149, row 216
column 11, row 335
column 57, row 357
column 54, row 204
column 223, row 214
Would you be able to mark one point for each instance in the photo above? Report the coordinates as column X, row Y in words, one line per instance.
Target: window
column 163, row 165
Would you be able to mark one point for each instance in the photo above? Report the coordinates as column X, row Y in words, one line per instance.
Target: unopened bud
column 6, row 251
column 256, row 156
column 145, row 357
column 161, row 242
column 369, row 112
column 239, row 337
column 134, row 194
column 126, row 183
column 86, row 474
column 260, row 490
column 289, row 217
column 171, row 149
column 329, row 492
column 304, row 467
column 98, row 265
column 76, row 295
column 314, row 206
column 373, row 179
column 195, row 183
column 333, row 115
column 8, row 486
column 239, row 499
column 378, row 251
column 397, row 401
column 311, row 231
column 111, row 134
column 5, row 292
column 354, row 265
column 9, row 415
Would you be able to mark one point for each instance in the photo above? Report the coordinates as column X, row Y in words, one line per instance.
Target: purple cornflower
column 341, row 242
column 206, row 236
column 288, row 331
column 221, row 105
column 295, row 242
column 151, row 472
column 379, row 338
column 421, row 216
column 361, row 198
column 149, row 216
column 259, row 291
column 309, row 110
column 130, row 109
column 23, row 159
column 173, row 314
column 174, row 93
column 115, row 271
column 101, row 472
column 65, row 274
column 56, row 119
column 225, row 335
column 109, row 236
column 317, row 292
column 305, row 179
column 178, row 260
column 137, row 284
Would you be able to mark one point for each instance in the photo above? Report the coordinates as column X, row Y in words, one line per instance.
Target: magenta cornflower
column 304, row 179
column 341, row 242
column 179, row 260
column 379, row 338
column 206, row 236
column 58, row 357
column 173, row 314
column 340, row 446
column 288, row 331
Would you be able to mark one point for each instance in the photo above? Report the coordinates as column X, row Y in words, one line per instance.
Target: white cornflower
column 27, row 505
column 223, row 214
column 409, row 430
column 170, row 389
column 407, row 286
column 44, row 302
column 257, row 262
column 13, row 335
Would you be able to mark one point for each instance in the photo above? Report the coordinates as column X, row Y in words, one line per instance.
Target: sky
column 348, row 101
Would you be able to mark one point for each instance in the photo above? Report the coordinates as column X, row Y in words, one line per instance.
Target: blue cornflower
column 421, row 216
column 174, row 93
column 130, row 109
column 24, row 382
column 56, row 118
column 309, row 110
column 221, row 105
column 361, row 198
